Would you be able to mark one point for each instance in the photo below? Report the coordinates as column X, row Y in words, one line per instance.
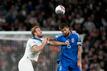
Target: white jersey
column 25, row 63
column 32, row 55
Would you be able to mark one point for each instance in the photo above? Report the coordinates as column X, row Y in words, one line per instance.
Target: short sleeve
column 79, row 40
column 58, row 37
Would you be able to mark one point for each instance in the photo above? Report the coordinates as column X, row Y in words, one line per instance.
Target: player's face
column 65, row 31
column 38, row 32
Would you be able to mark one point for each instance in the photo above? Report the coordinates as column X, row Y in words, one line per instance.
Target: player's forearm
column 38, row 48
column 57, row 43
column 79, row 57
column 79, row 53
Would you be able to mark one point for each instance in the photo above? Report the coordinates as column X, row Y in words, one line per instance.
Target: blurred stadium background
column 88, row 18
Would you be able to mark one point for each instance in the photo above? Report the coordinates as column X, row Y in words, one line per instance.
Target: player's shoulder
column 32, row 40
column 35, row 41
column 58, row 36
column 75, row 33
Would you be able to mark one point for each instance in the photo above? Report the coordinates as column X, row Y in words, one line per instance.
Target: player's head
column 65, row 29
column 36, row 31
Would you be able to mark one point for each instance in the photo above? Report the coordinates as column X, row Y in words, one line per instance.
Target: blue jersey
column 69, row 53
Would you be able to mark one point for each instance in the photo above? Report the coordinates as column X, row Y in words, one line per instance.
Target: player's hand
column 45, row 41
column 67, row 43
column 79, row 65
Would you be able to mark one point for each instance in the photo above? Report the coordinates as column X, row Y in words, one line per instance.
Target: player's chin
column 66, row 34
column 40, row 36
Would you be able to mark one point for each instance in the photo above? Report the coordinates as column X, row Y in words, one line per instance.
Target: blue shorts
column 67, row 67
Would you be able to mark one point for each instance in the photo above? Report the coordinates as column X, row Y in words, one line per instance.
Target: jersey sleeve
column 58, row 37
column 79, row 40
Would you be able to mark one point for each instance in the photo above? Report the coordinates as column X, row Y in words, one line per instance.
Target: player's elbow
column 36, row 49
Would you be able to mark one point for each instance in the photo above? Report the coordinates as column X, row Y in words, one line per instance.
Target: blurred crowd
column 22, row 14
column 86, row 17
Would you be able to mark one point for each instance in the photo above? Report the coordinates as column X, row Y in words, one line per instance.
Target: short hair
column 33, row 29
column 63, row 25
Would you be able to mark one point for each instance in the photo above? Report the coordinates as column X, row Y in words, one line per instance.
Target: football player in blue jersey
column 70, row 56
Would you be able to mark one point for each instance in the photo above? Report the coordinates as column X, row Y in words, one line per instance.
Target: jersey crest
column 72, row 40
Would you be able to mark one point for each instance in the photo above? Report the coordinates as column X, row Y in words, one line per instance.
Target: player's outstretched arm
column 39, row 48
column 57, row 43
column 54, row 42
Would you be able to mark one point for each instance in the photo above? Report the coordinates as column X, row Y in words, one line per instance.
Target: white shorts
column 25, row 65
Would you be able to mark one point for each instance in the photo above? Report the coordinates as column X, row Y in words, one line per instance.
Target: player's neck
column 68, row 34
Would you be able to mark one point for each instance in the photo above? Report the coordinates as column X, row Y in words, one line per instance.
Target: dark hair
column 63, row 25
column 34, row 29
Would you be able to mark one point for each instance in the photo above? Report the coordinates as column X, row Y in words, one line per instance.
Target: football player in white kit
column 33, row 48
